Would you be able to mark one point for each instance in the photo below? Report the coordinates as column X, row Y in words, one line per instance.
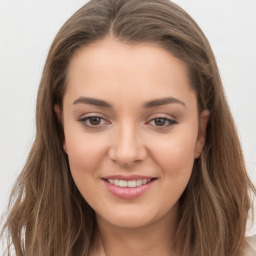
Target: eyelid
column 162, row 115
column 83, row 118
column 171, row 119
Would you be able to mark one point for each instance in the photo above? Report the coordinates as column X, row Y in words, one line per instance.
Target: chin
column 128, row 221
column 132, row 218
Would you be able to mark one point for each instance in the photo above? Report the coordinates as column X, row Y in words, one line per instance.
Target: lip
column 130, row 177
column 126, row 192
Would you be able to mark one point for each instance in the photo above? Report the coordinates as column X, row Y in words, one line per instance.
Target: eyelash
column 170, row 122
column 83, row 121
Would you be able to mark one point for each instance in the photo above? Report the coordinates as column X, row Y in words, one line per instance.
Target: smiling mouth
column 129, row 183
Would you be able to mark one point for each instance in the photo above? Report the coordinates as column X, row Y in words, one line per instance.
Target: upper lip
column 127, row 177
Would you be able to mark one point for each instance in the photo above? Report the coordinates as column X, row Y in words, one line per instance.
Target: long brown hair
column 48, row 215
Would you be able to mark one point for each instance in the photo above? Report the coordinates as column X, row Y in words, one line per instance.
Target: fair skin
column 130, row 114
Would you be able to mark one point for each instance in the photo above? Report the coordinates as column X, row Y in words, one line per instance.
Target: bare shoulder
column 250, row 249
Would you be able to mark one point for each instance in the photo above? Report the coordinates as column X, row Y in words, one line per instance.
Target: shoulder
column 250, row 249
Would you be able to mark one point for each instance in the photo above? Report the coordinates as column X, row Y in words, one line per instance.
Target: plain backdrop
column 27, row 28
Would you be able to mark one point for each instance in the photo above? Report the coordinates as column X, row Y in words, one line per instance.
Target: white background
column 28, row 27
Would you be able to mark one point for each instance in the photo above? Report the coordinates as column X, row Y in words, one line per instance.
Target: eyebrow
column 92, row 101
column 163, row 101
column 149, row 104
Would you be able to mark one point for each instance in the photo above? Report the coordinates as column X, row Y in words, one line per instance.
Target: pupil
column 160, row 121
column 95, row 120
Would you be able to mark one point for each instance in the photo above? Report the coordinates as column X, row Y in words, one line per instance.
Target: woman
column 136, row 152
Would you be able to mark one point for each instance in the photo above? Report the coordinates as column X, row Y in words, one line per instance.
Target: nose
column 127, row 148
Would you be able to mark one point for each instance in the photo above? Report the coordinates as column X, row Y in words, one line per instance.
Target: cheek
column 175, row 155
column 85, row 154
column 84, row 151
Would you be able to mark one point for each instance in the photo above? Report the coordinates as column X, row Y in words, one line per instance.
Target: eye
column 162, row 122
column 93, row 121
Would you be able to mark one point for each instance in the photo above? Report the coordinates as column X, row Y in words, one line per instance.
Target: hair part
column 48, row 215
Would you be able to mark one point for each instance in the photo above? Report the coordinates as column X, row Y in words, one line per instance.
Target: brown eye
column 94, row 120
column 160, row 121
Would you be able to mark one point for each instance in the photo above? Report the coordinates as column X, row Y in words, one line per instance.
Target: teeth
column 138, row 183
column 144, row 181
column 122, row 183
column 130, row 183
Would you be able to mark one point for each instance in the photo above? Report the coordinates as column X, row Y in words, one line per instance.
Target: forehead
column 102, row 53
column 113, row 68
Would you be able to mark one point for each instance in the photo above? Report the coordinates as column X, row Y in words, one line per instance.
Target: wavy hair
column 47, row 214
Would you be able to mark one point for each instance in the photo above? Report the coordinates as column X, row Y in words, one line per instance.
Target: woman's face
column 131, row 130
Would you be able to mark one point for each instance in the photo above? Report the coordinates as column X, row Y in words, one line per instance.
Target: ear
column 58, row 113
column 204, row 117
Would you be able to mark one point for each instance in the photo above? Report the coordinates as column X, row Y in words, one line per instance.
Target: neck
column 153, row 239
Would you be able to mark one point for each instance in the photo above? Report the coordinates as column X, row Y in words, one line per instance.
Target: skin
column 129, row 139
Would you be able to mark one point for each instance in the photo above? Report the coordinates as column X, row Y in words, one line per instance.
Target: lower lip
column 128, row 193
